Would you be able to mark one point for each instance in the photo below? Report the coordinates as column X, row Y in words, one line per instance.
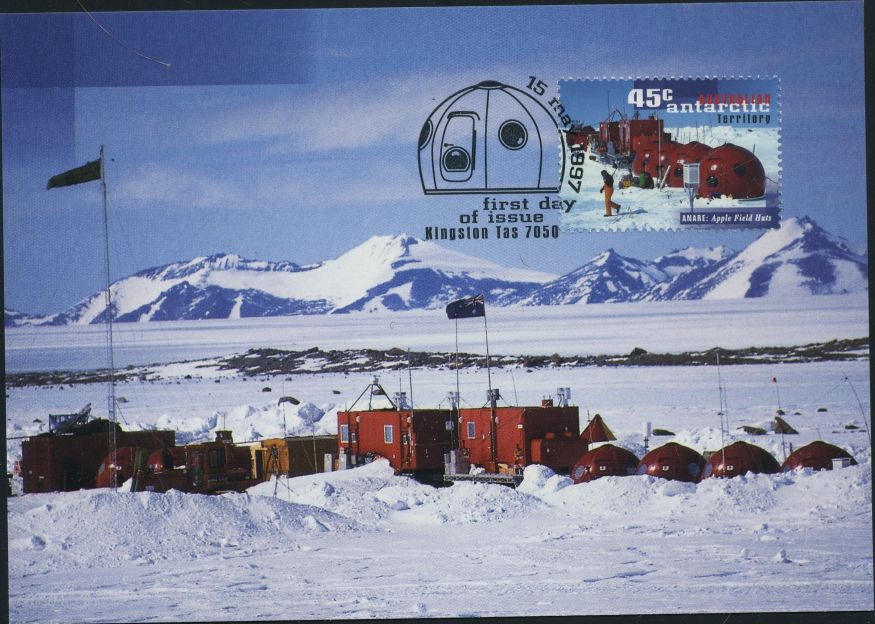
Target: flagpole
column 110, row 357
column 486, row 332
column 457, row 359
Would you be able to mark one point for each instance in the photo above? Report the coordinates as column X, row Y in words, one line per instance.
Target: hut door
column 458, row 148
column 197, row 468
column 70, row 476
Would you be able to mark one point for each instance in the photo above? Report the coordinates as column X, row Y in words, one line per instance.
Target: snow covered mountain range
column 402, row 273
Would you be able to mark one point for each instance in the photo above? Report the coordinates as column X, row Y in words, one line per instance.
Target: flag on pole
column 86, row 173
column 469, row 307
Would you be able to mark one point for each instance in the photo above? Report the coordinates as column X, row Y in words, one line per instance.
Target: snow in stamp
column 672, row 153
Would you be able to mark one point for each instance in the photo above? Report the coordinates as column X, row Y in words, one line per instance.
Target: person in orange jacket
column 608, row 190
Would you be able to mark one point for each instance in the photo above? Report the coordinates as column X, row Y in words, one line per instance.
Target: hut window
column 457, row 159
column 666, row 468
column 425, row 134
column 730, row 468
column 387, row 434
column 739, row 169
column 344, row 433
column 712, row 180
column 603, row 468
column 512, row 134
column 472, row 430
column 217, row 458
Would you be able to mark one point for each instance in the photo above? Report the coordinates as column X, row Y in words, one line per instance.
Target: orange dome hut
column 667, row 156
column 818, row 455
column 740, row 458
column 673, row 461
column 605, row 461
column 732, row 171
column 687, row 153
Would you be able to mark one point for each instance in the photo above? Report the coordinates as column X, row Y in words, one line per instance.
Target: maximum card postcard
column 453, row 312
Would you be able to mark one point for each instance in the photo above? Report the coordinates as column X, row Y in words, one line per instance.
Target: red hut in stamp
column 740, row 458
column 673, row 461
column 818, row 455
column 630, row 129
column 605, row 461
column 687, row 153
column 646, row 156
column 732, row 171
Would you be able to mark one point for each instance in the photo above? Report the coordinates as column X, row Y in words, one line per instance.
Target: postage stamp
column 672, row 153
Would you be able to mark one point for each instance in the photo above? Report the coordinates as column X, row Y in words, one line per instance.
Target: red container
column 688, row 153
column 732, row 171
column 412, row 440
column 673, row 461
column 559, row 453
column 740, row 458
column 70, row 461
column 605, row 461
column 818, row 455
column 630, row 129
column 521, row 433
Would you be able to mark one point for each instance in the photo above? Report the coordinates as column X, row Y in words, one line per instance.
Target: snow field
column 371, row 544
column 664, row 326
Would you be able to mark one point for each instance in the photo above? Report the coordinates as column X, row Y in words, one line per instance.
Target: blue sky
column 291, row 135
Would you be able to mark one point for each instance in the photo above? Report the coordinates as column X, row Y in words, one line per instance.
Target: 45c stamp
column 670, row 153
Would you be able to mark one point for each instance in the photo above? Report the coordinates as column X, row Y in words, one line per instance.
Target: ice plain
column 368, row 544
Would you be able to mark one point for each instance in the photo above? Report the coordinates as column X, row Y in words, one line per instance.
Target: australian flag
column 469, row 307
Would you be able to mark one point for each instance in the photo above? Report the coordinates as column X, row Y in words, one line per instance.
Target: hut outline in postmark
column 672, row 153
column 491, row 138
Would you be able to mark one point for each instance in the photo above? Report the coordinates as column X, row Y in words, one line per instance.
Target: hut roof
column 597, row 431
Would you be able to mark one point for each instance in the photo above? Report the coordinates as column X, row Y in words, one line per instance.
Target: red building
column 53, row 462
column 740, row 458
column 732, row 171
column 412, row 440
column 630, row 129
column 519, row 436
column 818, row 456
column 673, row 461
column 605, row 461
column 688, row 153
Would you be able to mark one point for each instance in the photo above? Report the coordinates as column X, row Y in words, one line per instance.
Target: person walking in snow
column 608, row 190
